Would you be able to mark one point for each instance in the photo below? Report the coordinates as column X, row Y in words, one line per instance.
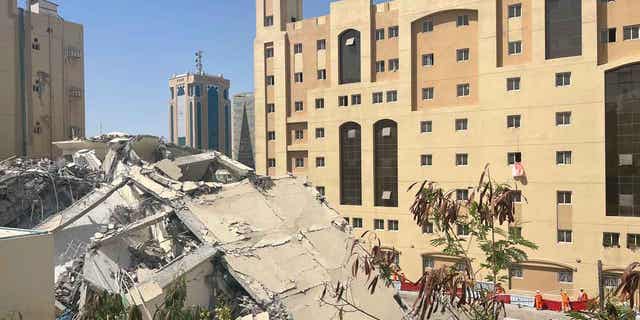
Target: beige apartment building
column 200, row 111
column 41, row 79
column 373, row 97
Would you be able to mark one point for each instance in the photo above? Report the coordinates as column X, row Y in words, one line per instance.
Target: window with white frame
column 377, row 97
column 268, row 52
column 515, row 10
column 428, row 60
column 356, row 99
column 428, row 262
column 462, row 194
column 565, row 276
column 516, row 272
column 343, row 101
column 427, row 93
column 564, row 197
column 380, row 66
column 462, row 20
column 392, row 96
column 463, row 90
column 378, row 224
column 299, row 134
column 462, row 124
column 514, row 157
column 631, row 32
column 319, row 162
column 633, row 241
column 426, row 126
column 515, row 47
column 356, row 223
column 462, row 159
column 297, row 48
column 564, row 236
column 271, row 163
column 322, row 74
column 426, row 160
column 319, row 103
column 427, row 26
column 393, row 225
column 563, row 157
column 563, row 79
column 321, row 44
column 427, row 228
column 321, row 190
column 271, row 108
column 513, row 84
column 380, row 34
column 271, row 135
column 299, row 162
column 299, row 106
column 513, row 121
column 563, row 118
column 299, row 78
column 394, row 65
column 394, row 32
column 611, row 240
column 319, row 133
column 271, row 80
column 268, row 21
column 462, row 54
column 463, row 230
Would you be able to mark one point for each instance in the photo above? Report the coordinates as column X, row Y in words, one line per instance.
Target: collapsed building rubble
column 157, row 212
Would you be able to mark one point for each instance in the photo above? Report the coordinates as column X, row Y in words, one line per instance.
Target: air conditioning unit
column 75, row 92
column 72, row 53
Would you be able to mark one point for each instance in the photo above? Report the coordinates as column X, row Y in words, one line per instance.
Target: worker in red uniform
column 538, row 300
column 566, row 306
column 499, row 288
column 582, row 296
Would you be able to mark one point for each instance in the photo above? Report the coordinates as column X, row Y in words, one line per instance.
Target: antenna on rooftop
column 199, row 66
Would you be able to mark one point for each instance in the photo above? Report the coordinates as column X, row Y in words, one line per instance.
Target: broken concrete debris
column 149, row 213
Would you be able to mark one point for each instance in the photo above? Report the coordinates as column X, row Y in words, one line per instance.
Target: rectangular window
column 462, row 54
column 516, row 272
column 299, row 106
column 515, row 47
column 427, row 93
column 299, row 162
column 428, row 59
column 299, row 134
column 564, row 236
column 428, row 263
column 271, row 80
column 631, row 32
column 563, row 28
column 463, row 90
column 297, row 48
column 268, row 52
column 462, row 159
column 462, row 194
column 513, row 84
column 320, row 103
column 321, row 44
column 427, row 26
column 379, row 34
column 517, row 196
column 427, row 228
column 271, row 135
column 356, row 223
column 462, row 20
column 356, row 99
column 394, row 65
column 322, row 74
column 343, row 101
column 378, row 224
column 392, row 96
column 515, row 10
column 321, row 190
column 426, row 160
column 380, row 66
column 271, row 163
column 563, row 157
column 563, row 118
column 268, row 21
column 463, row 230
column 564, row 197
column 271, row 108
column 611, row 240
column 514, row 157
column 633, row 241
column 462, row 124
column 426, row 126
column 513, row 121
column 608, row 35
column 393, row 225
column 320, row 162
column 298, row 77
column 563, row 79
column 319, row 132
column 394, row 32
column 377, row 97
column 565, row 276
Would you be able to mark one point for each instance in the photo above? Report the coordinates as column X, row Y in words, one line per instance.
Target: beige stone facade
column 42, row 79
column 200, row 112
column 504, row 76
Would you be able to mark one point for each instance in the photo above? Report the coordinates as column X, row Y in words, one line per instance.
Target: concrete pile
column 158, row 213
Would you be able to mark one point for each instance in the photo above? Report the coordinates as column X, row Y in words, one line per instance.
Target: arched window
column 350, row 164
column 622, row 109
column 385, row 157
column 349, row 56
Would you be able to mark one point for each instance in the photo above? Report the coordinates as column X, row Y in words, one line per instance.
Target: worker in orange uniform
column 538, row 300
column 566, row 307
column 582, row 296
column 499, row 288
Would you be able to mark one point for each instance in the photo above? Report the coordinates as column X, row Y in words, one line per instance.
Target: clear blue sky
column 133, row 47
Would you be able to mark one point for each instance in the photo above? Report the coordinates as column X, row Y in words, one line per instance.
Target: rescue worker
column 566, row 306
column 582, row 296
column 538, row 300
column 499, row 288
